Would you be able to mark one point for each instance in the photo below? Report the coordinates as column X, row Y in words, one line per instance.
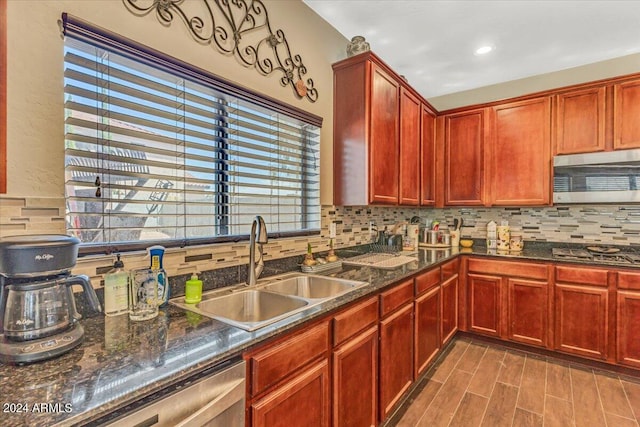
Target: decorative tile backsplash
column 602, row 224
column 32, row 215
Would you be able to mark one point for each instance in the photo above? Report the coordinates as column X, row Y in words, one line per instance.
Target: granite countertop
column 120, row 361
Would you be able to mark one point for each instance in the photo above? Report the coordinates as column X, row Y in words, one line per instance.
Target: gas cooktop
column 605, row 255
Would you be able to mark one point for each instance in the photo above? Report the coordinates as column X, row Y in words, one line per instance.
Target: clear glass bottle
column 116, row 290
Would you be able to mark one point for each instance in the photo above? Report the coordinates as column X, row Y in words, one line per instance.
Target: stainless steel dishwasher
column 215, row 400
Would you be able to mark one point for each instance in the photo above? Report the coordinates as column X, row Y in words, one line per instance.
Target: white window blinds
column 156, row 155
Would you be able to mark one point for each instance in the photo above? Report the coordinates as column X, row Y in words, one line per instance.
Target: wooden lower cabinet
column 628, row 328
column 396, row 357
column 355, row 381
column 527, row 312
column 301, row 401
column 484, row 304
column 509, row 300
column 353, row 369
column 581, row 320
column 427, row 329
column 449, row 308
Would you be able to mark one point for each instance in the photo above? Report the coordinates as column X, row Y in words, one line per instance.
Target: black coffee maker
column 38, row 316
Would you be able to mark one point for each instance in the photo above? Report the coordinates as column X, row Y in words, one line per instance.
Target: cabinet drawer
column 628, row 280
column 395, row 297
column 286, row 357
column 354, row 320
column 427, row 280
column 450, row 269
column 583, row 276
column 508, row 268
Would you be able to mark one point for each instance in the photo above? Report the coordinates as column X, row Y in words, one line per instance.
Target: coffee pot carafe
column 38, row 315
column 36, row 310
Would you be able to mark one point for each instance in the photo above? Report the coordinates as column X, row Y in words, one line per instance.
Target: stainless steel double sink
column 271, row 300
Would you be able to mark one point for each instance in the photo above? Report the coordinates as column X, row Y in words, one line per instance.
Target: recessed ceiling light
column 484, row 50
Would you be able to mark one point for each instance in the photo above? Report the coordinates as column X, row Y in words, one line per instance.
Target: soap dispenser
column 157, row 253
column 116, row 290
column 193, row 290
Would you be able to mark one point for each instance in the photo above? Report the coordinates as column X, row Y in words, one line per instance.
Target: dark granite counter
column 120, row 361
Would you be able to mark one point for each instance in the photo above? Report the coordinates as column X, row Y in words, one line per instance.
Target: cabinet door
column 484, row 304
column 449, row 308
column 527, row 311
column 355, row 381
column 301, row 401
column 464, row 158
column 581, row 314
column 273, row 363
column 626, row 115
column 521, row 153
column 427, row 329
column 410, row 112
column 396, row 357
column 428, row 158
column 580, row 121
column 384, row 141
column 628, row 328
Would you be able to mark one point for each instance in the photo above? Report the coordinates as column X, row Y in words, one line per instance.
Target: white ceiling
column 432, row 43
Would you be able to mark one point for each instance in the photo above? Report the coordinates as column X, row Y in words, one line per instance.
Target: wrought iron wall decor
column 236, row 27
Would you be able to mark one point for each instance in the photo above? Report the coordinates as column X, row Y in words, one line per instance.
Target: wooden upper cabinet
column 384, row 145
column 366, row 155
column 410, row 114
column 378, row 137
column 626, row 115
column 383, row 137
column 521, row 153
column 580, row 121
column 428, row 157
column 464, row 158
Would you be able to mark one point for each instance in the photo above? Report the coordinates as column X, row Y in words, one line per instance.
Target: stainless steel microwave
column 606, row 177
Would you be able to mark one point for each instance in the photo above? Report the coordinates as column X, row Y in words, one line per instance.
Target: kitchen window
column 159, row 151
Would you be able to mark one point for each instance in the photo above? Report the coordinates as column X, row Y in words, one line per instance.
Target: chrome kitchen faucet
column 257, row 237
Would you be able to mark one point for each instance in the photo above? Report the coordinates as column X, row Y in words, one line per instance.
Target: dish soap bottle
column 116, row 290
column 193, row 290
column 157, row 253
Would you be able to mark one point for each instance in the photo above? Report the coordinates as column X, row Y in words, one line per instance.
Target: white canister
column 492, row 235
column 413, row 231
column 455, row 238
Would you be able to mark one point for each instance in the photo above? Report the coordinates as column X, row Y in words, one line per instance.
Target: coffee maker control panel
column 40, row 349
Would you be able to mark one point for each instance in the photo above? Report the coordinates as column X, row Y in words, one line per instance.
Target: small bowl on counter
column 466, row 243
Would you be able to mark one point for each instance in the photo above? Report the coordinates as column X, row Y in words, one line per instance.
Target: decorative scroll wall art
column 236, row 27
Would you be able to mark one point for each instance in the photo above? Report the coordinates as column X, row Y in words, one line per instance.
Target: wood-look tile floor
column 480, row 384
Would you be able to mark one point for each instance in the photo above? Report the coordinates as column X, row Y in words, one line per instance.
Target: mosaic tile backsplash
column 601, row 224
